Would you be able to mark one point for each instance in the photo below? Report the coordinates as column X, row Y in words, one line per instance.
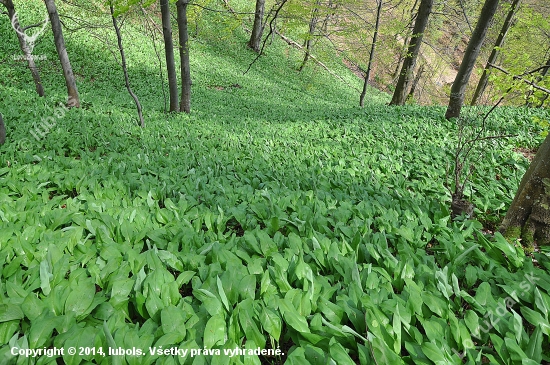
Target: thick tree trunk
column 124, row 69
column 469, row 60
column 2, row 131
column 482, row 84
column 258, row 27
column 528, row 217
column 402, row 87
column 72, row 91
column 185, row 103
column 371, row 55
column 169, row 52
column 27, row 51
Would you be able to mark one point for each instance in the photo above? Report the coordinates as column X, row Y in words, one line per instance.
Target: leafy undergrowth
column 276, row 216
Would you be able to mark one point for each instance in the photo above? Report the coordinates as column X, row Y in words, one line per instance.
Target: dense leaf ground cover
column 278, row 215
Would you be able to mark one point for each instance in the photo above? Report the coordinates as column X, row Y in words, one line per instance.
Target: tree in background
column 528, row 218
column 2, row 131
column 482, row 84
column 185, row 103
column 308, row 44
column 169, row 52
column 469, row 60
column 258, row 27
column 403, row 83
column 70, row 81
column 124, row 68
column 371, row 55
column 23, row 44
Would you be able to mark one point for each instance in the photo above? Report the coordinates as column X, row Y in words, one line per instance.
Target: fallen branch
column 517, row 77
column 299, row 46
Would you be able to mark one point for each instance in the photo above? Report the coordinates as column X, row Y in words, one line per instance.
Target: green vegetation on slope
column 277, row 214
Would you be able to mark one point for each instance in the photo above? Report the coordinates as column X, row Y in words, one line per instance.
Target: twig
column 518, row 77
column 296, row 45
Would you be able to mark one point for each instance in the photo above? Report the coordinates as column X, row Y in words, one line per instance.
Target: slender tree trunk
column 27, row 51
column 257, row 28
column 185, row 103
column 528, row 217
column 415, row 82
column 482, row 84
column 308, row 44
column 371, row 56
column 124, row 69
column 169, row 52
column 469, row 60
column 2, row 131
column 402, row 87
column 70, row 81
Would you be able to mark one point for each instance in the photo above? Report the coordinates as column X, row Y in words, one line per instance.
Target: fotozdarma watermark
column 492, row 318
column 29, row 41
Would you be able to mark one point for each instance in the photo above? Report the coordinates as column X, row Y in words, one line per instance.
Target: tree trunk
column 257, row 28
column 402, row 87
column 185, row 103
column 528, row 217
column 415, row 82
column 27, row 51
column 371, row 56
column 72, row 91
column 124, row 69
column 2, row 131
column 312, row 25
column 469, row 60
column 169, row 52
column 482, row 84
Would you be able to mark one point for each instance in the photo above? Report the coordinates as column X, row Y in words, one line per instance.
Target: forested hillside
column 195, row 182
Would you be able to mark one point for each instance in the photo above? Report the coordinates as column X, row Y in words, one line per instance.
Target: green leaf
column 271, row 323
column 222, row 293
column 434, row 353
column 214, row 332
column 81, row 297
column 292, row 317
column 173, row 320
column 339, row 354
column 9, row 312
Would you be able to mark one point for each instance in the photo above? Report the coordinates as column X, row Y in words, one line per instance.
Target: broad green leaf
column 9, row 312
column 292, row 317
column 173, row 320
column 214, row 332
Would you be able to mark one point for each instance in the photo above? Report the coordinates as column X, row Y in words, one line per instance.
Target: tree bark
column 72, row 91
column 482, row 84
column 185, row 103
column 371, row 55
column 27, row 51
column 528, row 217
column 124, row 69
column 258, row 27
column 415, row 82
column 402, row 87
column 169, row 52
column 469, row 60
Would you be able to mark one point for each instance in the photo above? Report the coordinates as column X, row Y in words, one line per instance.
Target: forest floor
column 277, row 214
